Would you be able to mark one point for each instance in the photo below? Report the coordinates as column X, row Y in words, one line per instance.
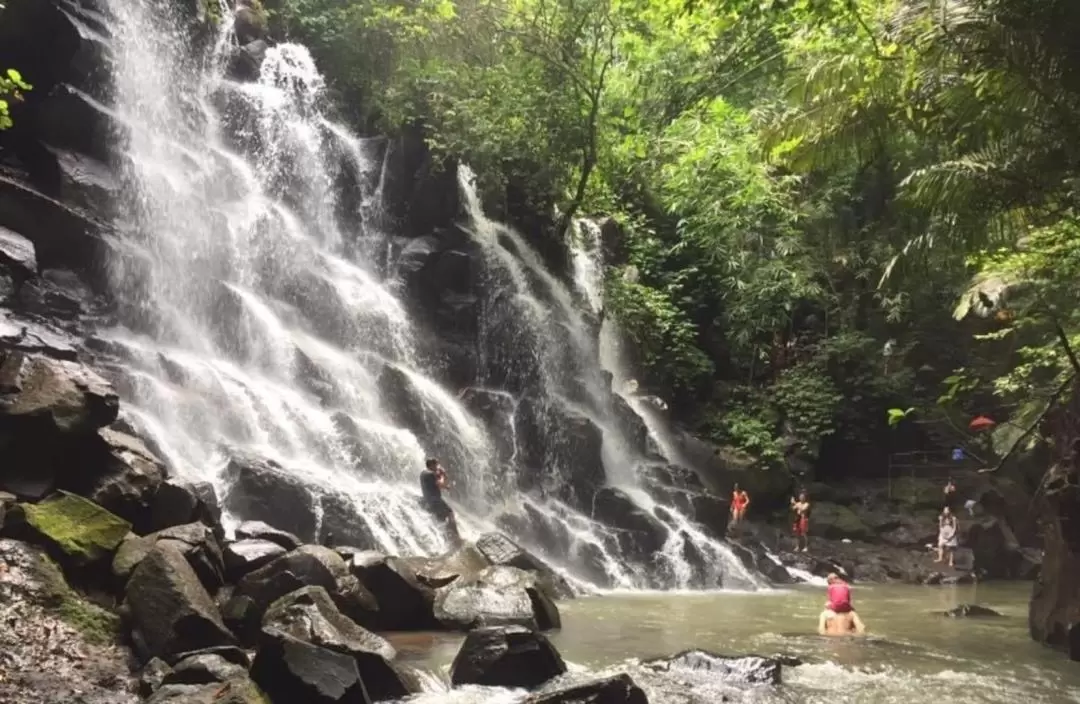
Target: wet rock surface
column 506, row 656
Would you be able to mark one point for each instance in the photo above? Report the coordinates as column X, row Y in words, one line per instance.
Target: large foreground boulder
column 170, row 609
column 46, row 396
column 310, row 565
column 496, row 596
column 405, row 604
column 80, row 530
column 500, row 550
column 292, row 670
column 506, row 656
column 311, row 616
column 262, row 490
column 195, row 541
column 619, row 689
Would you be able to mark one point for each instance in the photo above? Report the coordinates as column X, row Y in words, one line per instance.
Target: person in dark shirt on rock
column 432, row 482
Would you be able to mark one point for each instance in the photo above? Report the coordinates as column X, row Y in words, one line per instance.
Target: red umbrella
column 981, row 423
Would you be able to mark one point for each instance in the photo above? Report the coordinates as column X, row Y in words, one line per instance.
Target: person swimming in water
column 839, row 617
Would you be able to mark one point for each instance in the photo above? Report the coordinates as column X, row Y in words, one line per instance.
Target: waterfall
column 260, row 314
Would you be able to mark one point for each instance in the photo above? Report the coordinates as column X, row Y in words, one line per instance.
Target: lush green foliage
column 805, row 188
column 12, row 87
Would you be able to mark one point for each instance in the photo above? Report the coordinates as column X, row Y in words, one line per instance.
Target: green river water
column 911, row 655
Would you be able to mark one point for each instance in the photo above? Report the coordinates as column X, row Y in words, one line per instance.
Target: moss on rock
column 96, row 624
column 835, row 521
column 78, row 528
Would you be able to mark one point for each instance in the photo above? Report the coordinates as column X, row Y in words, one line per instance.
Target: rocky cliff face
column 1054, row 616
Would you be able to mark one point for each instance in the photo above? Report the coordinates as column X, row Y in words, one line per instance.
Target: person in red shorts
column 801, row 527
column 739, row 501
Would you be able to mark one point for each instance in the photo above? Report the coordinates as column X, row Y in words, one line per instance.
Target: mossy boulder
column 837, row 522
column 96, row 625
column 79, row 529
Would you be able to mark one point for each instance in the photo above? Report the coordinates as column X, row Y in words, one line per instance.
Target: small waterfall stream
column 259, row 315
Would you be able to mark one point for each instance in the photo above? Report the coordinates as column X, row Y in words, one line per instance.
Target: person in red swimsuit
column 801, row 527
column 739, row 501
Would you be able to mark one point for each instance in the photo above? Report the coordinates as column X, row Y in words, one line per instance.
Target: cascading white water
column 549, row 307
column 254, row 317
column 246, row 323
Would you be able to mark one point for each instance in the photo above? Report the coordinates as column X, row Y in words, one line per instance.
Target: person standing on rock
column 801, row 526
column 740, row 500
column 432, row 482
column 947, row 536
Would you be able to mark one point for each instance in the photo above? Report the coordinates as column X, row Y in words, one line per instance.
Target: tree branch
column 1050, row 403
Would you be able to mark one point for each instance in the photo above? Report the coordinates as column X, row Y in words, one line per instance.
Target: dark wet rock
column 245, row 61
column 560, row 443
column 310, row 565
column 310, row 615
column 21, row 334
column 618, row 689
column 176, row 503
column 837, row 522
column 971, row 611
column 501, row 550
column 242, row 617
column 238, row 690
column 997, row 551
column 41, row 395
column 496, row 596
column 125, row 478
column 257, row 530
column 87, row 183
column 246, row 556
column 262, row 490
column 639, row 534
column 152, row 676
column 170, row 609
column 62, row 236
column 17, row 254
column 506, row 656
column 7, row 501
column 80, row 530
column 57, row 295
column 745, row 669
column 405, row 604
column 204, row 668
column 342, row 524
column 195, row 541
column 292, row 670
column 55, row 646
column 631, row 424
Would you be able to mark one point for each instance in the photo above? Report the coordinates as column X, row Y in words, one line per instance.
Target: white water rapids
column 258, row 312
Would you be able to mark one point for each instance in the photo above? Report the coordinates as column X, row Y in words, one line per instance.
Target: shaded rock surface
column 171, row 611
column 194, row 540
column 617, row 689
column 297, row 671
column 506, row 656
column 246, row 556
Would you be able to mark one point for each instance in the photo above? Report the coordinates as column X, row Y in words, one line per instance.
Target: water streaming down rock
column 267, row 337
column 560, row 332
column 252, row 322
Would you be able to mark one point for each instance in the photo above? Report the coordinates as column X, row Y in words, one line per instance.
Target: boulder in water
column 618, row 689
column 262, row 490
column 405, row 604
column 495, row 596
column 291, row 670
column 506, row 656
column 501, row 550
column 745, row 669
column 970, row 611
column 170, row 609
column 310, row 615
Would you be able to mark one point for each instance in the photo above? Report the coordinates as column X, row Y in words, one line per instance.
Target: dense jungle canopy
column 828, row 208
